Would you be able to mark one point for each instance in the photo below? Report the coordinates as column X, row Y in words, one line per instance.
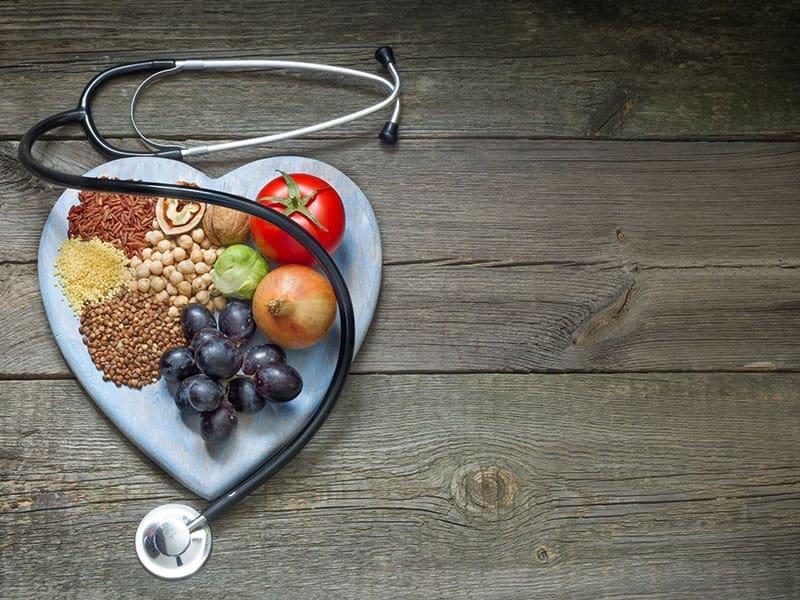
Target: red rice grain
column 119, row 219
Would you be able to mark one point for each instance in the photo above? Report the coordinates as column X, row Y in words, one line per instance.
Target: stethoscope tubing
column 325, row 261
column 233, row 64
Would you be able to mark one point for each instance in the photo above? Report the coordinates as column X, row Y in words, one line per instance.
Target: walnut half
column 178, row 216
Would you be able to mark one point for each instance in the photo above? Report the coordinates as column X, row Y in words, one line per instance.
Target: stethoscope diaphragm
column 172, row 541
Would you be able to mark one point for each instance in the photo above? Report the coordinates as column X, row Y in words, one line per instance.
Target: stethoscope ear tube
column 324, row 260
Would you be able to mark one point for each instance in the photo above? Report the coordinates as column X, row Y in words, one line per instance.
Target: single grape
column 194, row 318
column 236, row 320
column 278, row 382
column 182, row 397
column 243, row 395
column 206, row 334
column 177, row 364
column 219, row 359
column 200, row 392
column 260, row 356
column 217, row 425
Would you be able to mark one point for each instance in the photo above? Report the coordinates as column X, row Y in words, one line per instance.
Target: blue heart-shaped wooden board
column 148, row 417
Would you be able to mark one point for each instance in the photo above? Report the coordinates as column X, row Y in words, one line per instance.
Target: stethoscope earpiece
column 385, row 56
column 388, row 135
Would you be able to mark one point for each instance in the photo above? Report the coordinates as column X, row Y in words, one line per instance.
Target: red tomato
column 310, row 202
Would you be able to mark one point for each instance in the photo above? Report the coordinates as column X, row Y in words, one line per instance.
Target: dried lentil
column 127, row 335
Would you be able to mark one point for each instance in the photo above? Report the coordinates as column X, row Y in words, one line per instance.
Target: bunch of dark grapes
column 213, row 376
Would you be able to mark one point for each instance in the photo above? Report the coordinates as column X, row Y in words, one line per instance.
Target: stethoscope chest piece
column 167, row 546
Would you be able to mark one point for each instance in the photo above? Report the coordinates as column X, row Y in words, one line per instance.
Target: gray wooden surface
column 582, row 379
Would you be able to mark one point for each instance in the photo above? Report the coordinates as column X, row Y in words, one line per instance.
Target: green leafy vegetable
column 238, row 271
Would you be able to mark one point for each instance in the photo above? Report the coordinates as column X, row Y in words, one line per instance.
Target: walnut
column 225, row 226
column 178, row 216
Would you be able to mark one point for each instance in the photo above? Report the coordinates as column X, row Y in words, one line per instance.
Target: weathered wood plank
column 680, row 256
column 548, row 68
column 523, row 318
column 470, row 486
column 505, row 202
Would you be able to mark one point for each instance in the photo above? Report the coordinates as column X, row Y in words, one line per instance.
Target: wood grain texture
column 546, row 68
column 563, row 251
column 503, row 202
column 546, row 255
column 479, row 486
column 522, row 319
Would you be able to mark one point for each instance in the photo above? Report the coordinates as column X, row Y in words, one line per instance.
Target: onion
column 294, row 306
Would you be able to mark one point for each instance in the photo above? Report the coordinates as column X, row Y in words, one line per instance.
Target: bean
column 198, row 284
column 185, row 241
column 156, row 267
column 220, row 302
column 175, row 277
column 157, row 284
column 186, row 266
column 143, row 270
column 184, row 288
column 209, row 256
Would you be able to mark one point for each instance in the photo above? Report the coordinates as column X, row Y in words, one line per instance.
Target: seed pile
column 119, row 219
column 127, row 335
column 89, row 271
column 177, row 269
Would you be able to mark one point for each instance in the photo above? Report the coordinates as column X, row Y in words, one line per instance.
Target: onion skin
column 294, row 306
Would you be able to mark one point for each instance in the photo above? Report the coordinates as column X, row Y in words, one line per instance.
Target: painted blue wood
column 148, row 417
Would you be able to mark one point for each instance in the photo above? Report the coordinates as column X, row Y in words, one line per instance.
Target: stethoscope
column 174, row 540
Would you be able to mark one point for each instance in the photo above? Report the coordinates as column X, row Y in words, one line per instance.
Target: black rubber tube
column 263, row 472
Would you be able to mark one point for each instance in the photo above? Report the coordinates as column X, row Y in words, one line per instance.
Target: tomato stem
column 296, row 202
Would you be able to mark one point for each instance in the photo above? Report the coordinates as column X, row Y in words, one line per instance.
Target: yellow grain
column 89, row 271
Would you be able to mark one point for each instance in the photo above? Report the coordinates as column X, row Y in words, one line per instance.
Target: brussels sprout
column 238, row 270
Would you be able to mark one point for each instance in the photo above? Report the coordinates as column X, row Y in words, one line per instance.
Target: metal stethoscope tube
column 177, row 531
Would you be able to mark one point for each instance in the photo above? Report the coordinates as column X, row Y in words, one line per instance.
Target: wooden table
column 582, row 376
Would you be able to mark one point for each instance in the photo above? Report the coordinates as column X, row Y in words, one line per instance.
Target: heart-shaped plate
column 148, row 417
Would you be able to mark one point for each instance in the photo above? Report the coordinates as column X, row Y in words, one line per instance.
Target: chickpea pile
column 177, row 270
